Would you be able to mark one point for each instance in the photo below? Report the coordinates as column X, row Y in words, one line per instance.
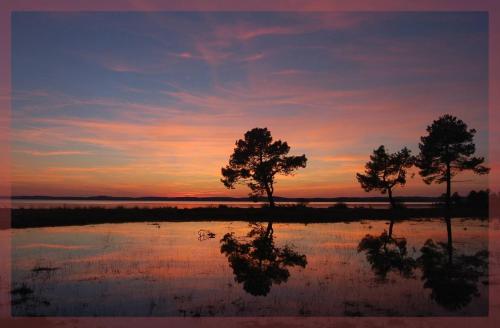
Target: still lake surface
column 29, row 203
column 242, row 269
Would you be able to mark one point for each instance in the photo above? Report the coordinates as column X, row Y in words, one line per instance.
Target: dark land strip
column 61, row 216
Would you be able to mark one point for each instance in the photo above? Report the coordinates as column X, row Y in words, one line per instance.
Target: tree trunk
column 390, row 228
column 391, row 200
column 450, row 239
column 269, row 230
column 448, row 186
column 448, row 214
column 270, row 196
column 393, row 206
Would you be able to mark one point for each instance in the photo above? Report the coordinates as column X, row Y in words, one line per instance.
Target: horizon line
column 204, row 198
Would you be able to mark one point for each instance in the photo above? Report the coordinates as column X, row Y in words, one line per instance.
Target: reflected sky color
column 151, row 103
column 143, row 269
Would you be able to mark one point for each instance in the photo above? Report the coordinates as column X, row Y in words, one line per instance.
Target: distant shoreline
column 63, row 216
column 225, row 199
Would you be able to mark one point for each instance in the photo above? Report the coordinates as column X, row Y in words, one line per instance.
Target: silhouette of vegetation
column 38, row 269
column 339, row 206
column 476, row 199
column 258, row 263
column 452, row 279
column 256, row 161
column 386, row 254
column 21, row 294
column 385, row 171
column 22, row 290
column 446, row 151
column 61, row 216
column 302, row 203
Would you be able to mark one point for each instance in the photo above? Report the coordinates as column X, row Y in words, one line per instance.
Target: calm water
column 237, row 269
column 26, row 203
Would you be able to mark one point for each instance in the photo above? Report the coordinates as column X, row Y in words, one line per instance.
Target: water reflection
column 386, row 253
column 163, row 269
column 452, row 278
column 257, row 262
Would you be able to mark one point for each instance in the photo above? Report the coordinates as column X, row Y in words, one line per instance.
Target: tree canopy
column 256, row 161
column 385, row 171
column 446, row 150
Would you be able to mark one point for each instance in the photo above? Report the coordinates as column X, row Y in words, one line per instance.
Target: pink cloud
column 215, row 46
column 212, row 52
column 306, row 23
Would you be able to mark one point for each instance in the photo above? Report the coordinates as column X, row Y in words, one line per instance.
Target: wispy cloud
column 53, row 246
column 52, row 153
column 252, row 58
column 185, row 55
column 290, row 72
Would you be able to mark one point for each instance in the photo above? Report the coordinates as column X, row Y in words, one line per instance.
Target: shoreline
column 61, row 216
column 278, row 199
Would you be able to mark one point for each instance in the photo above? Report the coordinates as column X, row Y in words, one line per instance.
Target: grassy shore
column 46, row 217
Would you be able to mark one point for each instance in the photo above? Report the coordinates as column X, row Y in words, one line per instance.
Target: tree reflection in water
column 257, row 262
column 386, row 253
column 452, row 278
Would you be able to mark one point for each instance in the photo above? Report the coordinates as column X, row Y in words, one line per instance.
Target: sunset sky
column 150, row 104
